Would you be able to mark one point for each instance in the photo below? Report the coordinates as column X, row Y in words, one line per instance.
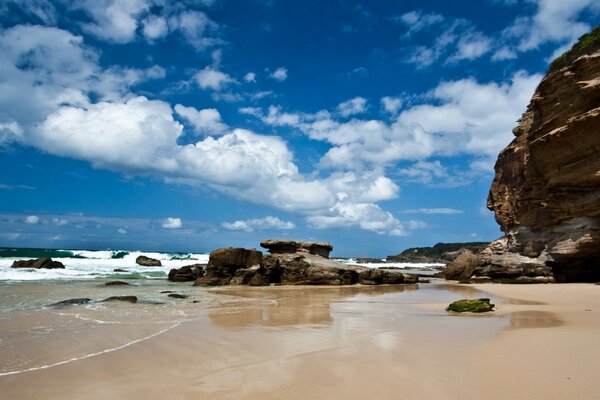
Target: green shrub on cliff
column 586, row 44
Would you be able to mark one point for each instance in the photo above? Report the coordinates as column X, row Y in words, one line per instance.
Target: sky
column 196, row 124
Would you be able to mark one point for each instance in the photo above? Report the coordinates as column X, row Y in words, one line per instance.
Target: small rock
column 471, row 305
column 116, row 283
column 39, row 263
column 70, row 302
column 130, row 299
column 178, row 296
column 119, row 270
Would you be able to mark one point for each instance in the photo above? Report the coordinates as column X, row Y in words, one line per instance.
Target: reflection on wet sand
column 533, row 319
column 289, row 306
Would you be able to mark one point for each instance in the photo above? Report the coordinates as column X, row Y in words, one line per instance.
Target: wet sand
column 316, row 342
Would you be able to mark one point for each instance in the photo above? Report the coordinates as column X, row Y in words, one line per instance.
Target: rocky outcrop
column 290, row 246
column 305, row 263
column 147, row 261
column 39, row 263
column 187, row 273
column 128, row 299
column 546, row 191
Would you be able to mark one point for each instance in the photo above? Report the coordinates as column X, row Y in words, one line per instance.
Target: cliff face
column 546, row 191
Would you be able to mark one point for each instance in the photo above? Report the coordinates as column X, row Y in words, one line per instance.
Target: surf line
column 92, row 354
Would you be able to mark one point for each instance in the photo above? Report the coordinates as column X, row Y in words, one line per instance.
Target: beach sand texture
column 311, row 342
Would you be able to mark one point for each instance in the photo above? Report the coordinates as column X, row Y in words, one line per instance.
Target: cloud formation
column 251, row 225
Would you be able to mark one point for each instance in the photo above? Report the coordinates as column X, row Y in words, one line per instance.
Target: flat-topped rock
column 292, row 246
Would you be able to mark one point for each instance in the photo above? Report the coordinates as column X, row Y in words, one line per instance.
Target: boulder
column 187, row 273
column 291, row 246
column 471, row 305
column 224, row 263
column 369, row 260
column 177, row 296
column 71, row 302
column 39, row 263
column 147, row 262
column 463, row 266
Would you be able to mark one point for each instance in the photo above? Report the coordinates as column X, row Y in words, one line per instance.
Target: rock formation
column 147, row 262
column 187, row 273
column 40, row 263
column 290, row 263
column 438, row 253
column 546, row 191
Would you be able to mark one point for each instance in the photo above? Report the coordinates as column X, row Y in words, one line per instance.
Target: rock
column 119, row 270
column 69, row 302
column 40, row 263
column 224, row 263
column 130, row 299
column 116, row 283
column 471, row 305
column 463, row 266
column 178, row 296
column 187, row 273
column 369, row 260
column 147, row 262
column 546, row 191
column 291, row 246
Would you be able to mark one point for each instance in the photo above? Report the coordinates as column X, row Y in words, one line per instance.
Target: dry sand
column 347, row 343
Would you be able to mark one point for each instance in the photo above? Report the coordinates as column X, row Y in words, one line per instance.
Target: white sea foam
column 98, row 264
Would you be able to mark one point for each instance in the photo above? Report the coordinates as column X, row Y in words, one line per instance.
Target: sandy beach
column 317, row 342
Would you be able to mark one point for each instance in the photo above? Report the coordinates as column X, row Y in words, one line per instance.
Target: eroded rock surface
column 291, row 263
column 546, row 191
column 147, row 261
column 39, row 263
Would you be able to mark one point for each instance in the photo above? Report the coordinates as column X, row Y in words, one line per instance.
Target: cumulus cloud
column 155, row 27
column 391, row 104
column 32, row 219
column 207, row 121
column 172, row 223
column 448, row 211
column 417, row 20
column 213, row 79
column 114, row 20
column 280, row 74
column 250, row 225
column 353, row 106
column 250, row 77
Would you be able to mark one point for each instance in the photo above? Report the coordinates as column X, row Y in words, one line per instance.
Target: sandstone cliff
column 546, row 191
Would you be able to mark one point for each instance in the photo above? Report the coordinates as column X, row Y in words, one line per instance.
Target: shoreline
column 348, row 342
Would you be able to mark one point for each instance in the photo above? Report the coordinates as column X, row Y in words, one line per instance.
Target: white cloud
column 122, row 231
column 470, row 46
column 42, row 9
column 448, row 211
column 391, row 104
column 280, row 74
column 155, row 27
column 250, row 225
column 172, row 223
column 417, row 21
column 207, row 121
column 197, row 28
column 353, row 106
column 60, row 221
column 554, row 21
column 213, row 79
column 114, row 20
column 32, row 219
column 250, row 77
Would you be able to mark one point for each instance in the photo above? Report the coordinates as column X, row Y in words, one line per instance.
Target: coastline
column 345, row 343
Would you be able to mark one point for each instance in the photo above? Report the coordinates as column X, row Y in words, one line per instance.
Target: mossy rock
column 586, row 44
column 471, row 305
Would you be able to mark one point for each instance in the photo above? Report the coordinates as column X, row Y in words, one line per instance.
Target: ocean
column 100, row 264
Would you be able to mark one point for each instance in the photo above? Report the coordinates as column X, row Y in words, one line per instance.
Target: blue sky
column 190, row 125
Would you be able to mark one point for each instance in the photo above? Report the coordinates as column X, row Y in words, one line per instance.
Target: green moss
column 586, row 43
column 471, row 305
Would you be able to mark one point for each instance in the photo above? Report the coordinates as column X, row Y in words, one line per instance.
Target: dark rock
column 39, row 263
column 116, row 283
column 147, row 262
column 69, row 302
column 369, row 260
column 471, row 305
column 224, row 264
column 178, row 296
column 119, row 270
column 439, row 253
column 130, row 299
column 463, row 266
column 291, row 246
column 187, row 273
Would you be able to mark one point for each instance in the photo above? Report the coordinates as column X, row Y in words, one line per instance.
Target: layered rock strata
column 546, row 191
column 290, row 263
